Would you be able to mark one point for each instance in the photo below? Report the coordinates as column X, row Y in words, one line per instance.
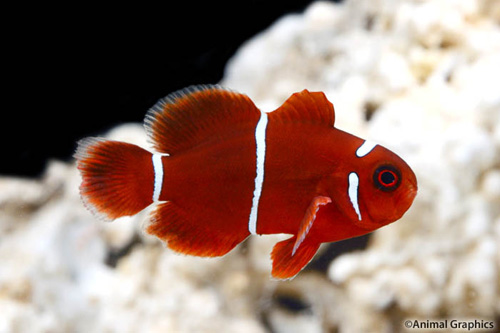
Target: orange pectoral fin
column 286, row 265
column 308, row 220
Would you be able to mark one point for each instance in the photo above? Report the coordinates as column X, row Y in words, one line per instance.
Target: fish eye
column 387, row 178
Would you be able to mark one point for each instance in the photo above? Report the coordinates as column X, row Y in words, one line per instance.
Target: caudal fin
column 117, row 177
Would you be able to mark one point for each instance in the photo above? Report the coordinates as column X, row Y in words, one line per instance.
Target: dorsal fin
column 191, row 116
column 305, row 106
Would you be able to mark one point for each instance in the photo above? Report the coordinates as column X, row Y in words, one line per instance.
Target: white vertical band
column 365, row 148
column 353, row 192
column 158, row 169
column 260, row 141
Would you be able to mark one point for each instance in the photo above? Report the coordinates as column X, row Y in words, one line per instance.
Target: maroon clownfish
column 222, row 170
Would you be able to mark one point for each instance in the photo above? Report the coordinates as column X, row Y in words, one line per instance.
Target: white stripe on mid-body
column 365, row 148
column 353, row 192
column 158, row 170
column 260, row 141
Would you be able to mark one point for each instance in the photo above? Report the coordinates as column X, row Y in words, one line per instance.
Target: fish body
column 223, row 170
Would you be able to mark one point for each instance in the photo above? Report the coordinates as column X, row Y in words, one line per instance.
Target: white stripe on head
column 260, row 141
column 365, row 148
column 158, row 182
column 353, row 192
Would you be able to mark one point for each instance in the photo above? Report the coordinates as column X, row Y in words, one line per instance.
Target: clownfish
column 222, row 170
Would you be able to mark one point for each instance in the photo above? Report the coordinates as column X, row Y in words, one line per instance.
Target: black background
column 72, row 72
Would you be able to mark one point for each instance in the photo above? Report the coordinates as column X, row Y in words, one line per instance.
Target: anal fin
column 186, row 234
column 286, row 265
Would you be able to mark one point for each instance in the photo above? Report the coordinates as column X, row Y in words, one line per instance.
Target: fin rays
column 308, row 220
column 172, row 224
column 286, row 266
column 305, row 106
column 192, row 116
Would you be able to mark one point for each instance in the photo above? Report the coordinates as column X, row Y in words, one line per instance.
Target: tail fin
column 117, row 177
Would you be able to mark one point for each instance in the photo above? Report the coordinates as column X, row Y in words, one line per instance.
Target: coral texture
column 421, row 77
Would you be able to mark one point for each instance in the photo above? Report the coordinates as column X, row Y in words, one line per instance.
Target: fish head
column 375, row 189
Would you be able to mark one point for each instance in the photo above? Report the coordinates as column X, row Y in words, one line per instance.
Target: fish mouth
column 412, row 189
column 406, row 199
column 404, row 202
column 412, row 192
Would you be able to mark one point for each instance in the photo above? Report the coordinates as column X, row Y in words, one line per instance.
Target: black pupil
column 387, row 177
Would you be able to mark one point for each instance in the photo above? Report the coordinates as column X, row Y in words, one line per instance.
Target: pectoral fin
column 292, row 255
column 308, row 220
column 286, row 266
